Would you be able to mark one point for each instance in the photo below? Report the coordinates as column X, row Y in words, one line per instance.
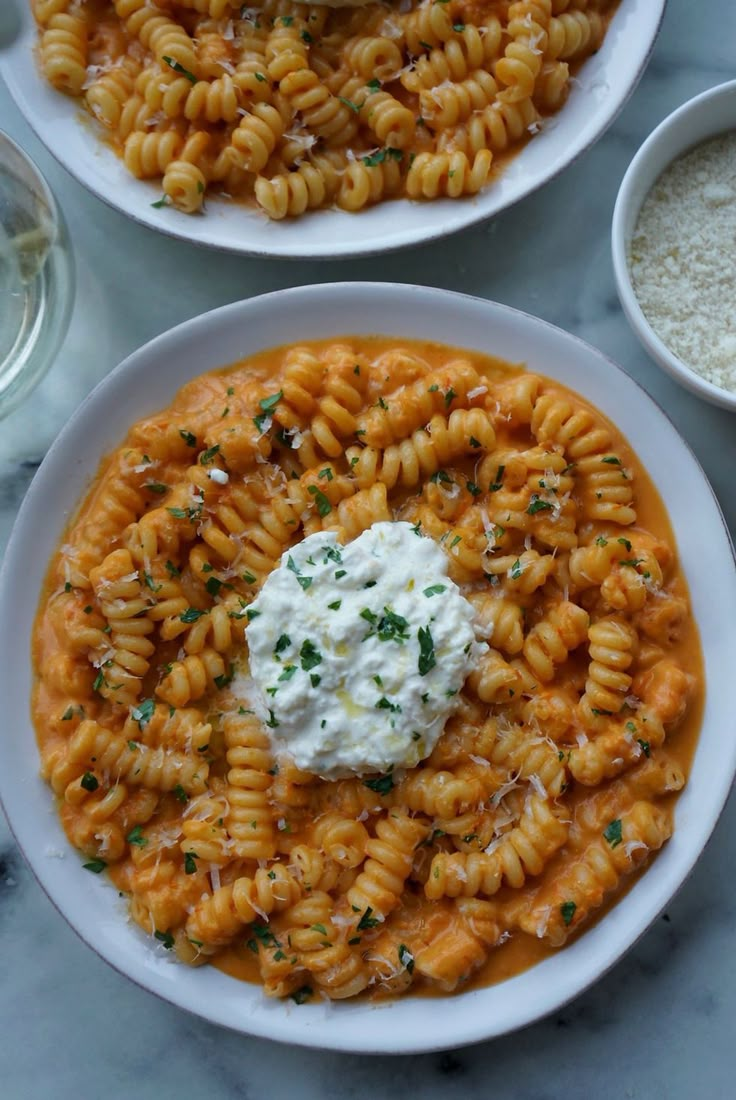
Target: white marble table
column 662, row 1024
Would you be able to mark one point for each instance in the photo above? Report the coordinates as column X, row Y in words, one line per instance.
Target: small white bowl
column 147, row 381
column 707, row 115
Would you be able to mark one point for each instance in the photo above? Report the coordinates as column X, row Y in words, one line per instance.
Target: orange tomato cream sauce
column 554, row 779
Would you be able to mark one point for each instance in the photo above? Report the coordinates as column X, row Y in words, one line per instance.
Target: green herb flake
column 190, row 865
column 434, row 590
column 302, row 995
column 283, row 643
column 173, row 64
column 380, row 784
column 645, row 747
column 498, row 481
column 567, row 910
column 349, row 103
column 323, row 505
column 136, row 837
column 206, row 457
column 95, row 866
column 536, row 504
column 612, row 833
column 165, row 938
column 191, row 615
column 611, row 460
column 367, row 920
column 427, row 659
column 441, row 476
column 406, row 958
column 160, row 203
column 180, row 794
column 309, row 656
column 335, row 605
column 89, row 782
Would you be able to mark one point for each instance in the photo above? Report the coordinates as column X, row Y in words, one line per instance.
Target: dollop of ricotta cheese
column 358, row 652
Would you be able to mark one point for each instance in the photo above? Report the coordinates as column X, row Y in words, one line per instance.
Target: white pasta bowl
column 146, row 382
column 707, row 115
column 603, row 86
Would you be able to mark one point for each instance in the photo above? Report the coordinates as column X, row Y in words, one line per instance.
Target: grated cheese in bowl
column 682, row 261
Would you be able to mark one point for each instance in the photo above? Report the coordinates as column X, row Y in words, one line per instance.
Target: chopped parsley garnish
column 601, row 541
column 536, row 504
column 381, row 784
column 323, row 505
column 268, row 404
column 288, row 672
column 450, row 397
column 272, row 721
column 349, row 103
column 89, row 782
column 406, row 958
column 180, row 794
column 427, row 658
column 191, row 615
column 625, row 543
column 163, row 201
column 326, row 473
column 95, row 866
column 375, row 86
column 473, row 489
column 143, row 713
column 136, row 837
column 611, row 460
column 190, row 865
column 516, row 570
column 283, row 643
column 645, row 746
column 441, row 476
column 435, row 590
column 498, row 482
column 309, row 655
column 567, row 909
column 263, row 933
column 613, row 834
column 173, row 64
column 165, row 938
column 367, row 920
column 335, row 605
column 156, row 487
column 386, row 704
column 172, row 570
column 378, row 158
column 632, row 562
column 206, row 457
column 248, row 577
column 301, row 995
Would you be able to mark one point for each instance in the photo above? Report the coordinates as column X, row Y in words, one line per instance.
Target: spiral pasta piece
column 249, row 820
column 390, row 852
column 64, row 53
column 524, row 851
column 222, row 915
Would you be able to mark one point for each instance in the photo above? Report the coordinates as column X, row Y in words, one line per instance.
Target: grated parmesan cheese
column 681, row 259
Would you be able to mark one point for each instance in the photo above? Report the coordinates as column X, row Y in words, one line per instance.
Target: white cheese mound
column 358, row 652
column 682, row 259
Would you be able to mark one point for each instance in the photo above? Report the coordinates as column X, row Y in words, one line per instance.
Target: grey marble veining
column 662, row 1024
